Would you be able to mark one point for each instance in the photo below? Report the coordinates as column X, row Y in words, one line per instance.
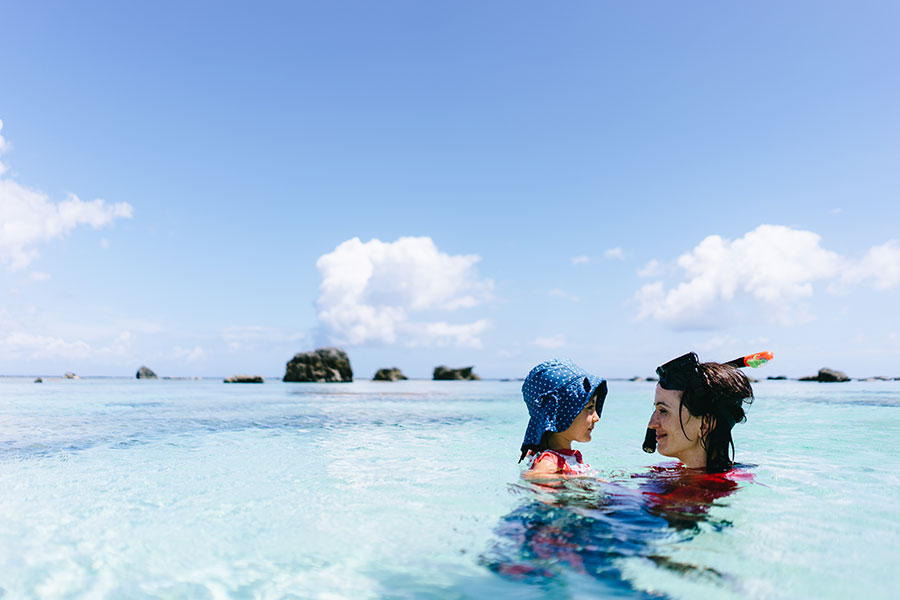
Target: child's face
column 581, row 428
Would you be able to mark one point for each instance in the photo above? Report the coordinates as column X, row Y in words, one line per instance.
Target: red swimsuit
column 567, row 462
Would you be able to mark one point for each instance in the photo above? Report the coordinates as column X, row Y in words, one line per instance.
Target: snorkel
column 682, row 373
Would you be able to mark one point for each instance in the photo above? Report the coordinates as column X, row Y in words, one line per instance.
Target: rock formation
column 145, row 373
column 777, row 378
column 392, row 374
column 39, row 380
column 71, row 375
column 245, row 379
column 324, row 365
column 462, row 374
column 827, row 376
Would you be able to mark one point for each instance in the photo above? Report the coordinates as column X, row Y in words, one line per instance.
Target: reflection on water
column 591, row 526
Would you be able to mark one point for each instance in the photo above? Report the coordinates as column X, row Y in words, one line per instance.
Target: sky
column 208, row 188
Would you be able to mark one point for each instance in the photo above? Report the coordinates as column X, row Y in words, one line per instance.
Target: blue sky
column 208, row 188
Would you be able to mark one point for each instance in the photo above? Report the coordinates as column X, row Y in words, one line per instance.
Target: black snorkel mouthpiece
column 683, row 372
column 650, row 441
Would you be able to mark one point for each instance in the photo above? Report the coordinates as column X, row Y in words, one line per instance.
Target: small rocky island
column 826, row 375
column 245, row 379
column 392, row 374
column 444, row 373
column 145, row 373
column 323, row 365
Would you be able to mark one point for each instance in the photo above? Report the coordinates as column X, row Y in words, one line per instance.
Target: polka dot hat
column 555, row 392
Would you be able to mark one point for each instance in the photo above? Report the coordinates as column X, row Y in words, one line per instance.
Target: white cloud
column 38, row 276
column 880, row 266
column 550, row 343
column 446, row 334
column 651, row 269
column 564, row 295
column 188, row 355
column 250, row 337
column 20, row 344
column 29, row 346
column 28, row 218
column 717, row 342
column 773, row 266
column 370, row 291
column 614, row 254
column 580, row 260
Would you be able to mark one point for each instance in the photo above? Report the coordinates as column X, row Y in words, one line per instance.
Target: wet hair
column 720, row 402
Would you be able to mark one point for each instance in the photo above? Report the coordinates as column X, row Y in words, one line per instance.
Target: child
column 564, row 402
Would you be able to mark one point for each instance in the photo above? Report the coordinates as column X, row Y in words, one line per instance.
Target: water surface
column 172, row 489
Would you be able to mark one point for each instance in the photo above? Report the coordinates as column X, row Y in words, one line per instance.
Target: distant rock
column 443, row 373
column 876, row 378
column 39, row 380
column 392, row 374
column 145, row 373
column 637, row 378
column 827, row 376
column 245, row 379
column 323, row 365
column 777, row 378
column 71, row 375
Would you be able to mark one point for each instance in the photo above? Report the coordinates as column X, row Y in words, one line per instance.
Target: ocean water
column 196, row 489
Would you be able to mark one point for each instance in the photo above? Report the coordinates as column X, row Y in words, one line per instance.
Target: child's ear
column 587, row 385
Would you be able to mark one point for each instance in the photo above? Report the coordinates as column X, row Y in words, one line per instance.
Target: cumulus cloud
column 880, row 266
column 28, row 218
column 371, row 291
column 773, row 267
column 651, row 269
column 614, row 254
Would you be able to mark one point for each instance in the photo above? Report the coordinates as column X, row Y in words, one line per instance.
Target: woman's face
column 670, row 439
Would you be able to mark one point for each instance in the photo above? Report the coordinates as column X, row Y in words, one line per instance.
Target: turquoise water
column 196, row 489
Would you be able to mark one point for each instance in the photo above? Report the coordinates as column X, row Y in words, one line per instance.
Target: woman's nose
column 653, row 424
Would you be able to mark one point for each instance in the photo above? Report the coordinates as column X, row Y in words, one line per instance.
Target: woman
column 695, row 407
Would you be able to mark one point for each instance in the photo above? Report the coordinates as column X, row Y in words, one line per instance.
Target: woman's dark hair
column 720, row 402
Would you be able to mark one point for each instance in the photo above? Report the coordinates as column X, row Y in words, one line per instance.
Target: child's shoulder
column 557, row 461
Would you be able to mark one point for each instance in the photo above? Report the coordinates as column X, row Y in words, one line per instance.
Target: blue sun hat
column 555, row 392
